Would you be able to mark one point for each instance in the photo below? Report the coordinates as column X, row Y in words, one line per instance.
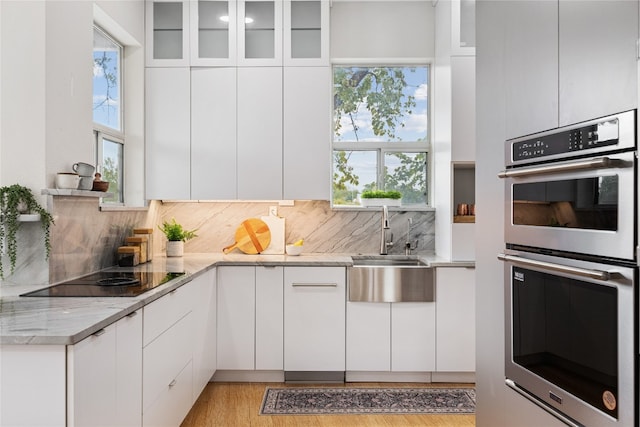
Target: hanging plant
column 14, row 200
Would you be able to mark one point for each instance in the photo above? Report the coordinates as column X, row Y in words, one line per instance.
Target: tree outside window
column 381, row 135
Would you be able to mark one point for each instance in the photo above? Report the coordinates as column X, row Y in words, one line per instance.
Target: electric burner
column 107, row 284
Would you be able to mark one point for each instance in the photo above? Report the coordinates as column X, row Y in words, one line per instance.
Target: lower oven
column 571, row 339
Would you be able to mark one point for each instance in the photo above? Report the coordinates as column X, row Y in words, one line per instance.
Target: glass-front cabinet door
column 213, row 32
column 260, row 32
column 306, row 35
column 167, row 33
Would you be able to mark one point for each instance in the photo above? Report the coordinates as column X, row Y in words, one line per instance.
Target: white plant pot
column 380, row 202
column 175, row 248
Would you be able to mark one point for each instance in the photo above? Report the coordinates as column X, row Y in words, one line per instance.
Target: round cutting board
column 252, row 237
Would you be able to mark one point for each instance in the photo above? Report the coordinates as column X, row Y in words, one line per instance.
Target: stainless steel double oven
column 571, row 270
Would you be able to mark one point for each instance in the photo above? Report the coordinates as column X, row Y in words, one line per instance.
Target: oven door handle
column 597, row 163
column 577, row 271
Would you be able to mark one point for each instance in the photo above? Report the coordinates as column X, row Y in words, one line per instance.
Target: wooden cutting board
column 252, row 237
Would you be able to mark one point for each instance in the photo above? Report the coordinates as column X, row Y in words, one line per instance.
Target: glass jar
column 128, row 256
column 140, row 242
column 148, row 233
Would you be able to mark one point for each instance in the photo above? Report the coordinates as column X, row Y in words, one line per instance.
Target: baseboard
column 249, row 376
column 388, row 377
column 454, row 377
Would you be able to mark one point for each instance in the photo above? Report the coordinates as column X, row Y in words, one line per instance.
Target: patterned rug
column 314, row 401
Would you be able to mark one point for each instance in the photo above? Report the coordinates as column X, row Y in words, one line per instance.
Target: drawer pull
column 172, row 383
column 315, row 285
column 100, row 332
column 132, row 314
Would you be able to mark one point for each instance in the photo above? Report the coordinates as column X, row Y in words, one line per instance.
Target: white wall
column 389, row 29
column 22, row 88
column 46, row 87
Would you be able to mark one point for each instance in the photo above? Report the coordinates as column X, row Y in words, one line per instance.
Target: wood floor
column 238, row 404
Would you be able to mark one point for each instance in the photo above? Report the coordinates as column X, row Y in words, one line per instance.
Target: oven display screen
column 565, row 331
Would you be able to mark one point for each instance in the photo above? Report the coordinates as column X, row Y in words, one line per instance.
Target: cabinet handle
column 173, row 291
column 132, row 314
column 100, row 332
column 172, row 383
column 315, row 285
column 598, row 163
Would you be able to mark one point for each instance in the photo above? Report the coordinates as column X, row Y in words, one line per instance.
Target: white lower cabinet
column 249, row 317
column 167, row 355
column 204, row 314
column 455, row 293
column 391, row 337
column 314, row 318
column 104, row 376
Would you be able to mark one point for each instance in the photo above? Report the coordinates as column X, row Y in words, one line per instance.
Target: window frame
column 382, row 148
column 101, row 131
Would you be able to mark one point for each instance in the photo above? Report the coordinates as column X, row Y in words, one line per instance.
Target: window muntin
column 107, row 113
column 381, row 132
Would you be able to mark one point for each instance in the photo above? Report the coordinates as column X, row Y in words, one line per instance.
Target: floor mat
column 307, row 401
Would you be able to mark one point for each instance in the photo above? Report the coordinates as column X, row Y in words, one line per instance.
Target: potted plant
column 17, row 205
column 380, row 197
column 176, row 236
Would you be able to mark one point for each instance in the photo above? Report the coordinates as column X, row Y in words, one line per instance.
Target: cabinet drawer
column 163, row 359
column 173, row 404
column 164, row 312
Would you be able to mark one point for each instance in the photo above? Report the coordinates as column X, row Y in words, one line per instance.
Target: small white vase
column 175, row 248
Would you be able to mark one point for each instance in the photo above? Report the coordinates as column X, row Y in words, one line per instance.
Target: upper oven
column 573, row 189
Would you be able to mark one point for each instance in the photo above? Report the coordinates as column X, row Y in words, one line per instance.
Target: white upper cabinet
column 167, row 33
column 307, row 126
column 598, row 59
column 531, row 67
column 569, row 61
column 306, row 32
column 260, row 32
column 213, row 27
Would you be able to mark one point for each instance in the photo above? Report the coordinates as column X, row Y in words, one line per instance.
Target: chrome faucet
column 384, row 243
column 407, row 246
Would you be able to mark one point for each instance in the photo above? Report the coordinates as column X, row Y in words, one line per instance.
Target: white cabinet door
column 260, row 133
column 167, row 139
column 598, row 59
column 463, row 107
column 236, row 317
column 204, row 311
column 91, row 380
column 269, row 318
column 213, row 39
column 172, row 406
column 306, row 32
column 307, row 133
column 164, row 360
column 456, row 332
column 314, row 313
column 368, row 336
column 32, row 385
column 413, row 337
column 129, row 370
column 531, row 67
column 259, row 32
column 213, row 133
column 167, row 33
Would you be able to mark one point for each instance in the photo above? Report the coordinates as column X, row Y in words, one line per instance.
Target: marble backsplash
column 323, row 229
column 85, row 239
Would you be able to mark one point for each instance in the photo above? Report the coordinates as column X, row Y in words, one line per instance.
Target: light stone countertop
column 68, row 320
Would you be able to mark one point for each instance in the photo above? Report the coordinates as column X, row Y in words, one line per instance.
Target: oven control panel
column 567, row 141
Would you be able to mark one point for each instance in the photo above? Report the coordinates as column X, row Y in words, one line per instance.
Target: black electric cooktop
column 106, row 284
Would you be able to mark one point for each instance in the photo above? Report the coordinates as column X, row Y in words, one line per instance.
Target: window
column 381, row 132
column 107, row 112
